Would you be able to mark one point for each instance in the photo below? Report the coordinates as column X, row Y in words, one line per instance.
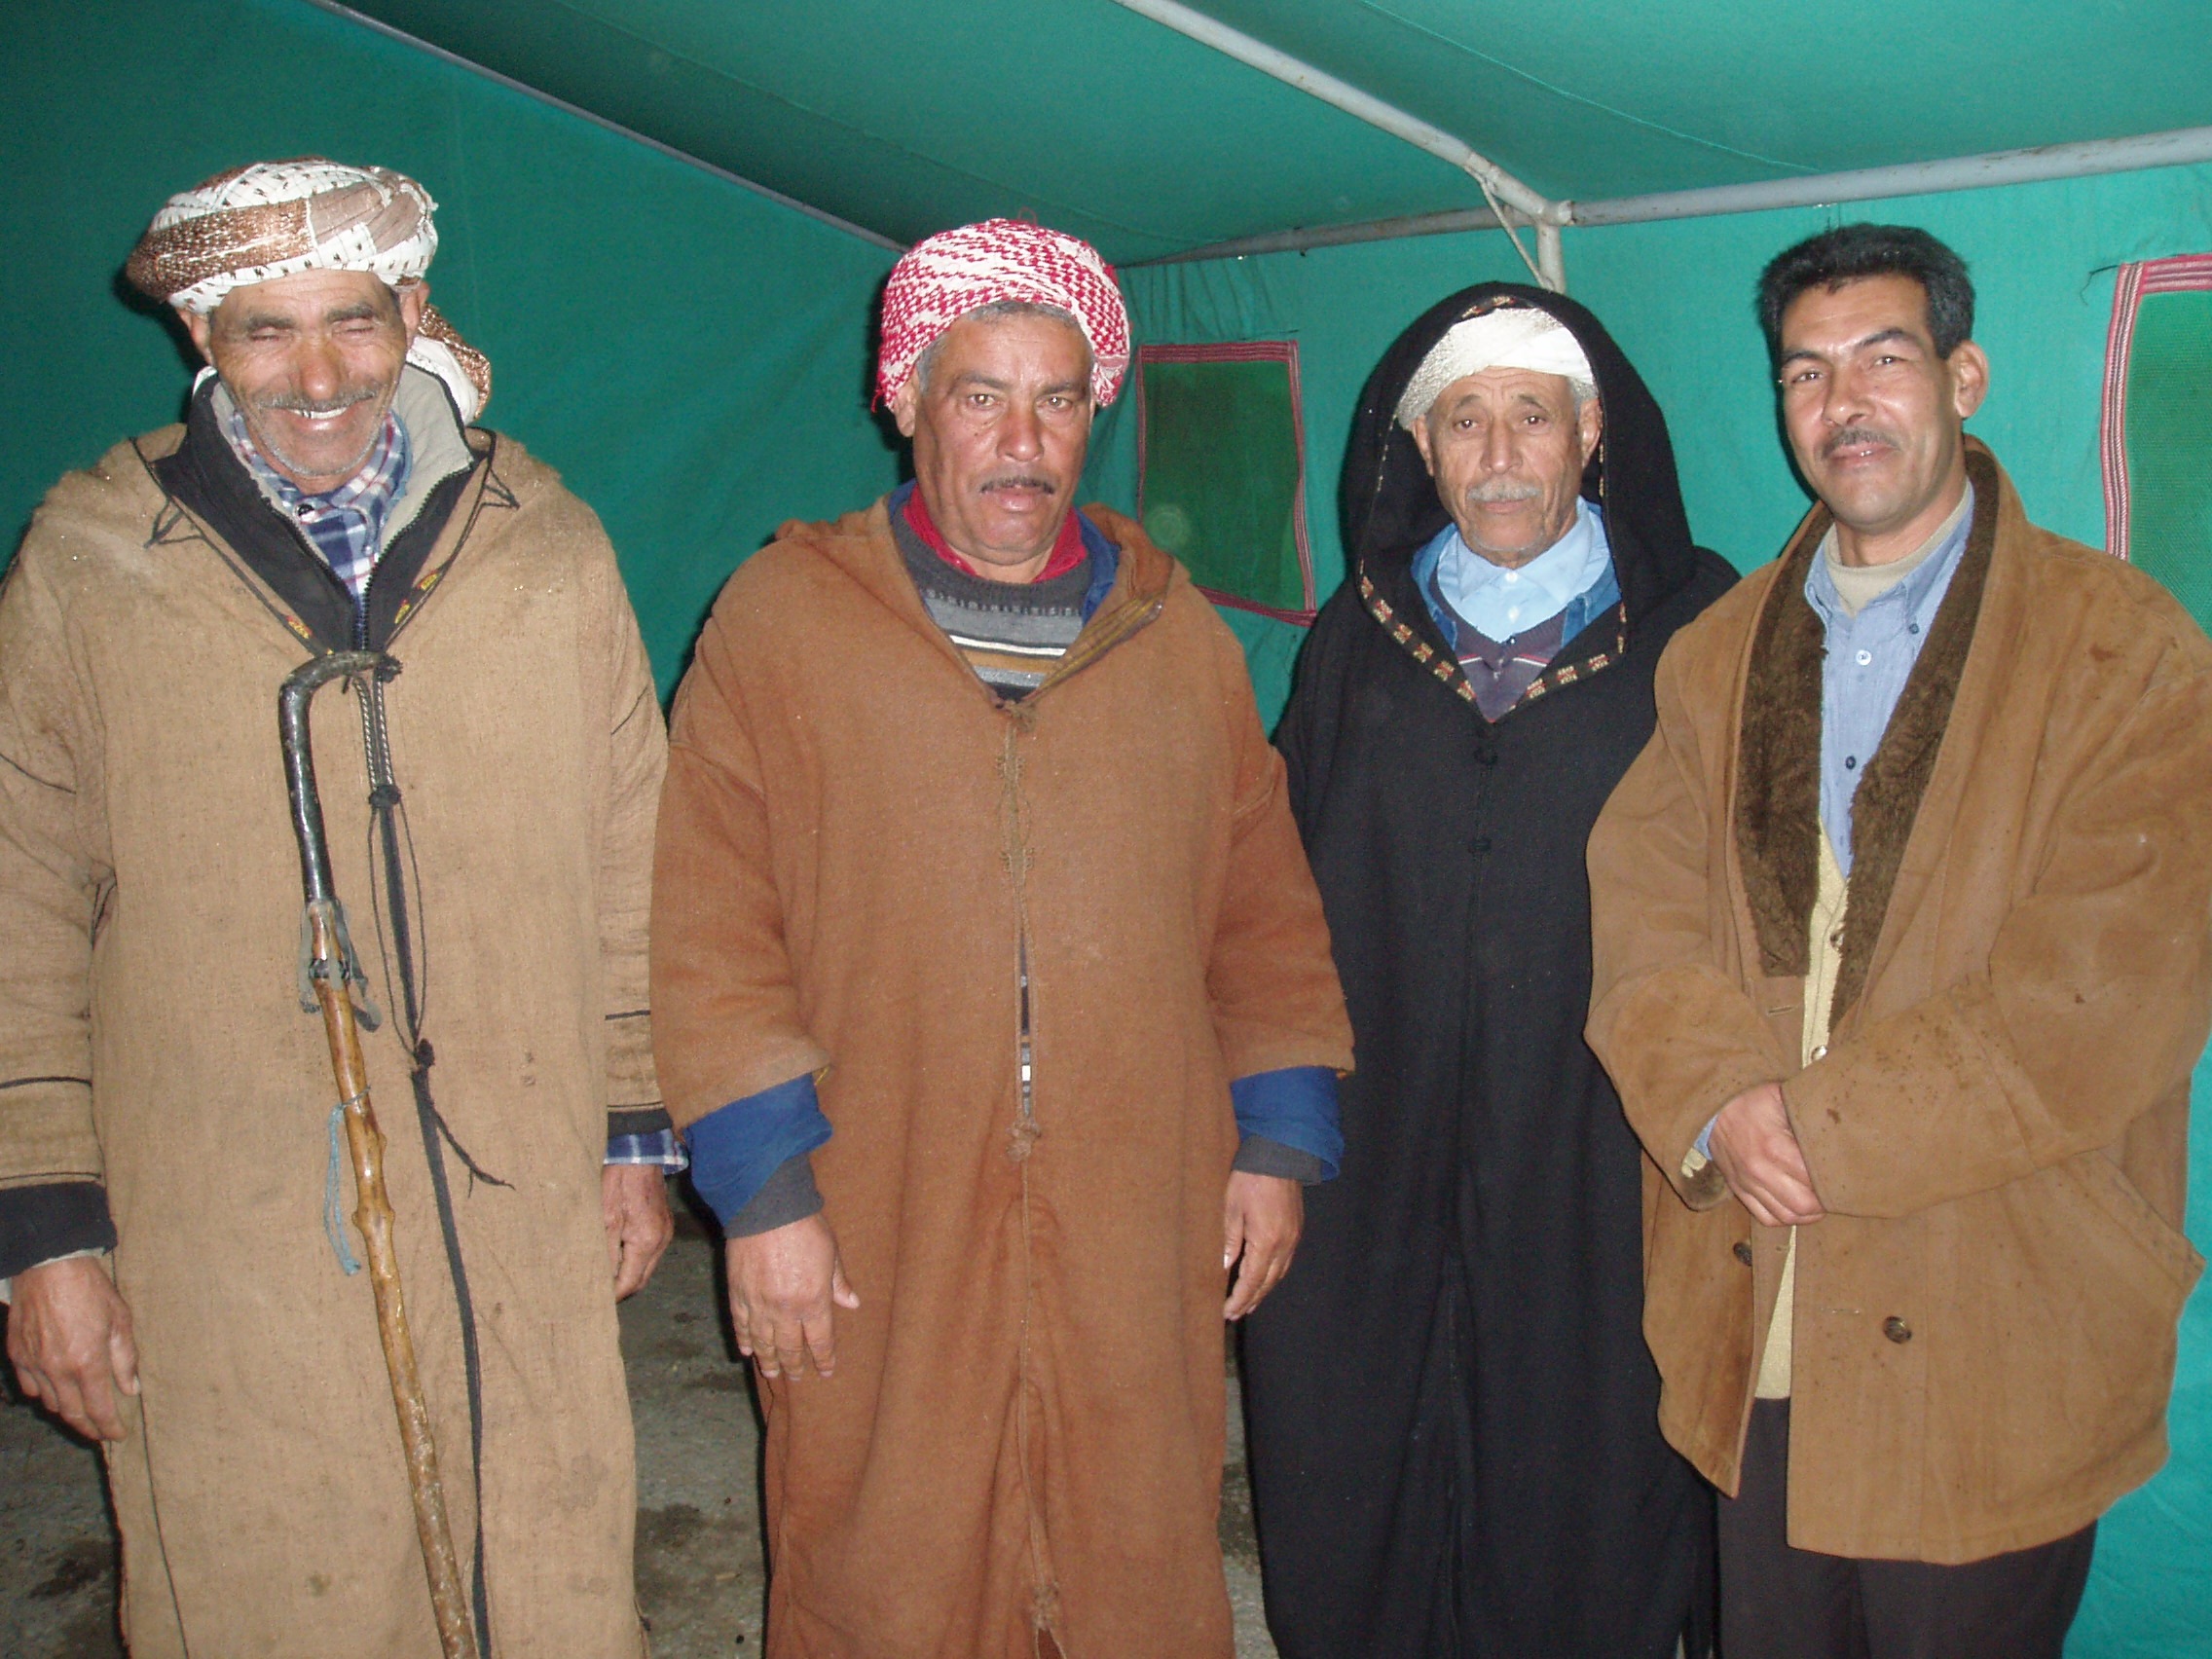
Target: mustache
column 295, row 403
column 1856, row 438
column 1018, row 481
column 1503, row 490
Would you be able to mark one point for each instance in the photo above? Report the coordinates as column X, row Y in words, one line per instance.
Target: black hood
column 1389, row 503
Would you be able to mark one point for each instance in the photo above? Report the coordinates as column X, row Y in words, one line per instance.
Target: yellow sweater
column 1826, row 958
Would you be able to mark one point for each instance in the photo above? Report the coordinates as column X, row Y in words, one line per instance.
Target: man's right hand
column 783, row 1287
column 1758, row 1152
column 69, row 1337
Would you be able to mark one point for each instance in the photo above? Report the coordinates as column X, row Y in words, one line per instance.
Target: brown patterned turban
column 255, row 224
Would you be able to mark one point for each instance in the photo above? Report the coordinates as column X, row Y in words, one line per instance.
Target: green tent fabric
column 2167, row 446
column 1221, row 471
column 900, row 115
column 694, row 356
column 2154, row 1589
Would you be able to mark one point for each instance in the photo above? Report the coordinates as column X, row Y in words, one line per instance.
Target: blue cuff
column 736, row 1148
column 1704, row 1141
column 1297, row 1107
column 657, row 1146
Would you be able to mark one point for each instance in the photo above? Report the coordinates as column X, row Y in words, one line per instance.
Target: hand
column 633, row 1199
column 783, row 1285
column 1758, row 1153
column 1261, row 1219
column 69, row 1337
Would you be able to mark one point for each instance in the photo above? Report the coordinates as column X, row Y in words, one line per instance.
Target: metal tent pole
column 1551, row 258
column 1913, row 178
column 1498, row 184
column 2181, row 147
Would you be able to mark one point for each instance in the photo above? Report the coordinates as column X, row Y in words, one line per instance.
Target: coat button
column 1744, row 1253
column 1897, row 1330
column 1820, row 1052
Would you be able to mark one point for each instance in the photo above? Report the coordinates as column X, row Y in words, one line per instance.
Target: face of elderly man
column 313, row 361
column 1507, row 448
column 1000, row 420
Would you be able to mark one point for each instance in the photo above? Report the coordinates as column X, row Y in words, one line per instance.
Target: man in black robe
column 1453, row 1416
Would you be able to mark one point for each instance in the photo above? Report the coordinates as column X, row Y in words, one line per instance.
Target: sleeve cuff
column 1296, row 1108
column 55, row 1219
column 1260, row 1156
column 659, row 1147
column 788, row 1195
column 737, row 1148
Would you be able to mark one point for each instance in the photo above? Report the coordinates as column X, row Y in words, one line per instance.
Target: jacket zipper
column 1123, row 625
column 1028, row 1072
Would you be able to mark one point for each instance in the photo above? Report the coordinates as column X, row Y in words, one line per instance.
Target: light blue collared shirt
column 1574, row 575
column 1869, row 659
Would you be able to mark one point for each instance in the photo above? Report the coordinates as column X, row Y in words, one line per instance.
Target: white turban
column 271, row 219
column 1511, row 337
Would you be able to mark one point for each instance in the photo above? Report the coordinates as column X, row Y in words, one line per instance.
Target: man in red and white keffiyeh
column 993, row 994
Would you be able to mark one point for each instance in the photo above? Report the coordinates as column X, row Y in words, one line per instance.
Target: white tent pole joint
column 1551, row 258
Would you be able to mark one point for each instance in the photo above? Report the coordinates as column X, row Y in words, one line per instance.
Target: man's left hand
column 632, row 1199
column 1261, row 1221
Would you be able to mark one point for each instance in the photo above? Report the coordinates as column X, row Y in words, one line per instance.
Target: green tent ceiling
column 906, row 116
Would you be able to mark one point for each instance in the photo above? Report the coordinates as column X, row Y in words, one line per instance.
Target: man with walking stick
column 178, row 1192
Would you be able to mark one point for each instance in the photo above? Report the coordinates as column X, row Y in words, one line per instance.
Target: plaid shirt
column 345, row 525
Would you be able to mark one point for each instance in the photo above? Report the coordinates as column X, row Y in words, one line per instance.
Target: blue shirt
column 1580, row 563
column 345, row 525
column 1869, row 659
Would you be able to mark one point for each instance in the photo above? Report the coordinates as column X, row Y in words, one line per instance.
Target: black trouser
column 1778, row 1602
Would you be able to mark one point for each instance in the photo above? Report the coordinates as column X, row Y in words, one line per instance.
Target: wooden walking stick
column 329, row 967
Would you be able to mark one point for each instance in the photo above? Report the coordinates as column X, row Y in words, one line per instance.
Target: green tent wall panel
column 1221, row 471
column 2157, row 425
column 693, row 358
column 2158, row 476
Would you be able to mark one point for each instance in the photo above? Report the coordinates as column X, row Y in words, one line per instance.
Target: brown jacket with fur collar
column 1984, row 1330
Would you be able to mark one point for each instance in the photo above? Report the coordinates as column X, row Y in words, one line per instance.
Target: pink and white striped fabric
column 2180, row 273
column 944, row 278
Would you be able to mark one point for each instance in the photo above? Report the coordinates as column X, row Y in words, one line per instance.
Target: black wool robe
column 1453, row 1416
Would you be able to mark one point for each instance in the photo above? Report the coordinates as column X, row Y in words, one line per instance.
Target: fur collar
column 1778, row 781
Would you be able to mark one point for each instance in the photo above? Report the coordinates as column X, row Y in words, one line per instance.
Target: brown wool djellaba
column 148, row 859
column 1024, row 1433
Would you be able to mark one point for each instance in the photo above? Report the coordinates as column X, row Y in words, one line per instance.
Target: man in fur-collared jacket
column 1902, row 965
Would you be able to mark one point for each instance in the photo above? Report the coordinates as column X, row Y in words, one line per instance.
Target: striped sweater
column 1012, row 633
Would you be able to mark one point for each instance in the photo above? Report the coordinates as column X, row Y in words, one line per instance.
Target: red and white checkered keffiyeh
column 942, row 278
